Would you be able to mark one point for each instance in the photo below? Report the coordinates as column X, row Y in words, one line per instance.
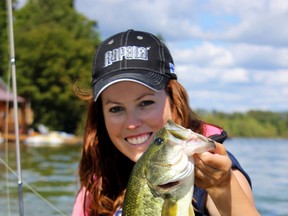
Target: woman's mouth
column 137, row 140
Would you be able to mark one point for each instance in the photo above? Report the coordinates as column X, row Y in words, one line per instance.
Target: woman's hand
column 228, row 191
column 212, row 169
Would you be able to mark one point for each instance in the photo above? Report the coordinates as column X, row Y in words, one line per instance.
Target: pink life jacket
column 78, row 204
column 214, row 132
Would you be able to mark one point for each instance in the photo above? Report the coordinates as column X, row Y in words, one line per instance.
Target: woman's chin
column 136, row 156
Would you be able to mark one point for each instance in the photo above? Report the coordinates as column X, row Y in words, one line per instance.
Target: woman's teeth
column 139, row 139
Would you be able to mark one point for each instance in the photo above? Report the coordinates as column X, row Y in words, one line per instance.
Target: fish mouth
column 169, row 185
column 177, row 180
column 169, row 188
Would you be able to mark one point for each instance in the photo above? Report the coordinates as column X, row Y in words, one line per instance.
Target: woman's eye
column 146, row 103
column 115, row 109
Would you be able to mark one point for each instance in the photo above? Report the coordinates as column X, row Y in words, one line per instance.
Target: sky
column 231, row 56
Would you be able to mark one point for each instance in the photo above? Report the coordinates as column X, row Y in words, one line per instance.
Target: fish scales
column 162, row 180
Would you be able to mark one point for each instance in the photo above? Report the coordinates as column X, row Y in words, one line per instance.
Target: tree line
column 254, row 123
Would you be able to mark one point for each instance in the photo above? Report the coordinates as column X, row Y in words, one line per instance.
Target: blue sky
column 230, row 55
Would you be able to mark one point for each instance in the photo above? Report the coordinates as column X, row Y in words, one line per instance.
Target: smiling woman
column 133, row 113
column 132, row 100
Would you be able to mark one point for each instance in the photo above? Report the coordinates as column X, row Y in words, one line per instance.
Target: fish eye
column 159, row 141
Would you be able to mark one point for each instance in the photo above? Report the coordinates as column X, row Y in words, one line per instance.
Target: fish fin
column 169, row 208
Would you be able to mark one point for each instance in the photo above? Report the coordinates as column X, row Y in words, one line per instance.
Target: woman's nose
column 133, row 120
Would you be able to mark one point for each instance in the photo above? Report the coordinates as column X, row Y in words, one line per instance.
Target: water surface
column 266, row 161
column 52, row 172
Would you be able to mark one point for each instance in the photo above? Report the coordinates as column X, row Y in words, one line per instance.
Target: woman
column 135, row 91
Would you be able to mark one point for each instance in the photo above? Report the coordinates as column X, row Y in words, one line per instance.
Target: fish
column 161, row 182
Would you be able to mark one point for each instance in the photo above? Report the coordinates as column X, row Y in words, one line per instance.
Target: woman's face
column 133, row 113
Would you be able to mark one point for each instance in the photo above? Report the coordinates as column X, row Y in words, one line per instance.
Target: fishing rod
column 15, row 104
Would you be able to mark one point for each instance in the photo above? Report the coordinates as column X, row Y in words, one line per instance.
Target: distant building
column 7, row 111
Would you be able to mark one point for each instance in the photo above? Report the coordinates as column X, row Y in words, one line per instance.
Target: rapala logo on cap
column 126, row 52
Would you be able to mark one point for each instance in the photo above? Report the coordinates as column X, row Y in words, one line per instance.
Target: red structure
column 7, row 111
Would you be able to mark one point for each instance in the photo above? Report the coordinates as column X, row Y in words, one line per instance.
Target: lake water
column 51, row 171
column 266, row 161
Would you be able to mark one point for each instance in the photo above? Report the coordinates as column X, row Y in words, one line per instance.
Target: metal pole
column 15, row 103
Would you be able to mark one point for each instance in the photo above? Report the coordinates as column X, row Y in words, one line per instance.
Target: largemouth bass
column 162, row 180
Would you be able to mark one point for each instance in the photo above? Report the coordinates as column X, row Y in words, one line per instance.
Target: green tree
column 250, row 124
column 54, row 47
column 3, row 38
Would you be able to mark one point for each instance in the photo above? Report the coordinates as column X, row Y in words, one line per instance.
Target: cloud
column 229, row 55
column 258, row 22
column 272, row 78
column 206, row 54
column 259, row 57
column 255, row 22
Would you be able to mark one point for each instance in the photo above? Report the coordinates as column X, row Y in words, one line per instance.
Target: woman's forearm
column 233, row 198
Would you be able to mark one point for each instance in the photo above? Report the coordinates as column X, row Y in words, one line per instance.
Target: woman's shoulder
column 79, row 203
column 220, row 135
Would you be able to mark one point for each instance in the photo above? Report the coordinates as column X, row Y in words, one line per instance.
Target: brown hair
column 103, row 169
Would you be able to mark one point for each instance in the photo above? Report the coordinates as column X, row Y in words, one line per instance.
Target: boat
column 52, row 138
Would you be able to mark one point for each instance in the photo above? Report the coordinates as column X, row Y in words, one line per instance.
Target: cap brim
column 150, row 79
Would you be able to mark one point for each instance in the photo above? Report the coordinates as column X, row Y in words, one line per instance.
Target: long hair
column 104, row 171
